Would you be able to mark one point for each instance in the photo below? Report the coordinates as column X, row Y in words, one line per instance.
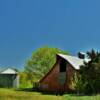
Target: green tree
column 90, row 73
column 24, row 80
column 41, row 62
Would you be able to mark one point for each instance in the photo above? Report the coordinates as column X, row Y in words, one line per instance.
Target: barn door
column 62, row 72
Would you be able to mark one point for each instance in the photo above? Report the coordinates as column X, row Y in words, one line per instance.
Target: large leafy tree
column 90, row 73
column 41, row 62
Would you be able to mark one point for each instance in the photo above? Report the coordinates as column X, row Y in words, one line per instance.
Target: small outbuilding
column 9, row 78
column 59, row 78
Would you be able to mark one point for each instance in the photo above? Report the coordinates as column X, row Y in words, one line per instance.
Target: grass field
column 11, row 94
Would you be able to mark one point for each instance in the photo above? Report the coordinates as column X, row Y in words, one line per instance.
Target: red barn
column 59, row 78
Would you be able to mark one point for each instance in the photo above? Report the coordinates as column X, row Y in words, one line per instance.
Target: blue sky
column 25, row 25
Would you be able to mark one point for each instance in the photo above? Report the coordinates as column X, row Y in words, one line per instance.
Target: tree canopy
column 90, row 73
column 41, row 61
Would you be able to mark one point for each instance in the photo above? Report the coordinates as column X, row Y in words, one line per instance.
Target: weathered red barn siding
column 51, row 83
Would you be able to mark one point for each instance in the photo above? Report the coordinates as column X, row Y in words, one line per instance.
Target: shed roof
column 9, row 71
column 74, row 61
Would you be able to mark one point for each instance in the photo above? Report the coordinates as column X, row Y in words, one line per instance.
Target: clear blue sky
column 25, row 25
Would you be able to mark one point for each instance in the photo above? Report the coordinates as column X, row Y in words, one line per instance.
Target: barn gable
column 59, row 77
column 74, row 61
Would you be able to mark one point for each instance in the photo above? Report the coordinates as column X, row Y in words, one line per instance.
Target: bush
column 89, row 80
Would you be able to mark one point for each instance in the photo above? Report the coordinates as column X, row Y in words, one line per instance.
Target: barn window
column 62, row 65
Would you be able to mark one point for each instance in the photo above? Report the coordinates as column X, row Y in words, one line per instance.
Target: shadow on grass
column 26, row 90
column 39, row 91
column 72, row 93
column 52, row 93
column 82, row 95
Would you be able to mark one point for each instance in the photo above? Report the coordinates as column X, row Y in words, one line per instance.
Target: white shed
column 9, row 77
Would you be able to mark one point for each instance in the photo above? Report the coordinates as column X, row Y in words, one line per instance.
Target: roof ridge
column 68, row 55
column 73, row 60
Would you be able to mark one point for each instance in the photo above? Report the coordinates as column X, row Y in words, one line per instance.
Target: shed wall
column 8, row 80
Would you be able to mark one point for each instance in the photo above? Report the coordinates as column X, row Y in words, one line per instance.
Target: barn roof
column 9, row 71
column 74, row 61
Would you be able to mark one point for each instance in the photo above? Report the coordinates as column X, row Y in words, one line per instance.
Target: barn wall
column 51, row 81
column 70, row 72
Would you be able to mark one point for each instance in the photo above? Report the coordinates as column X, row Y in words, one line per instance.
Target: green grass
column 11, row 94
